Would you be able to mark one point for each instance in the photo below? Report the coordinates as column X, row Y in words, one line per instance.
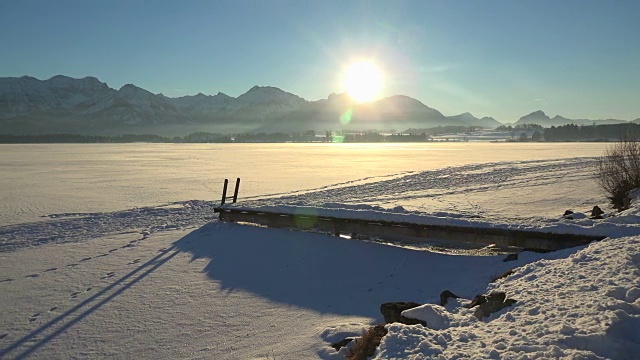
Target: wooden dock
column 532, row 240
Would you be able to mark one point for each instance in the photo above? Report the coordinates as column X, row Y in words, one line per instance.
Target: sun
column 363, row 81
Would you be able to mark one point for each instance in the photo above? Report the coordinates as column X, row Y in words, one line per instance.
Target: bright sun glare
column 363, row 81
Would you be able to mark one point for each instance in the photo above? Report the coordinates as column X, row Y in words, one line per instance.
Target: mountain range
column 540, row 118
column 63, row 104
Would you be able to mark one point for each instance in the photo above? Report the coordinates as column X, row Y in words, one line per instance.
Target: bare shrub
column 618, row 171
column 367, row 344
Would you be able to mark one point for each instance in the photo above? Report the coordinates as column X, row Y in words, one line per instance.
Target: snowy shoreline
column 173, row 282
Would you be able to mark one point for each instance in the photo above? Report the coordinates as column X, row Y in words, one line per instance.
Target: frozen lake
column 44, row 179
column 187, row 286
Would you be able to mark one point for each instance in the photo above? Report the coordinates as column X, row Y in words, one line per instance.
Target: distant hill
column 469, row 120
column 339, row 112
column 540, row 118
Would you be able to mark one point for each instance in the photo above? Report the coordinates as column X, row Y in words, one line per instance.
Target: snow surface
column 473, row 179
column 172, row 282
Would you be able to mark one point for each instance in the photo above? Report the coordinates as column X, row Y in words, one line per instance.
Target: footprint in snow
column 53, row 308
column 34, row 317
column 74, row 295
column 109, row 275
column 88, row 289
column 134, row 262
column 32, row 276
column 51, row 269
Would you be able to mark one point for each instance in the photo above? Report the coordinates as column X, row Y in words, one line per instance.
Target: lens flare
column 345, row 118
column 305, row 218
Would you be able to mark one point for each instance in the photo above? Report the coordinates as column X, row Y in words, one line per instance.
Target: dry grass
column 367, row 344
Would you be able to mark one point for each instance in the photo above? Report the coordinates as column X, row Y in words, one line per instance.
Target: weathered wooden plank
column 390, row 229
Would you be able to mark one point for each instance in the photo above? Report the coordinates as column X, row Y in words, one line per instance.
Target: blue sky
column 580, row 59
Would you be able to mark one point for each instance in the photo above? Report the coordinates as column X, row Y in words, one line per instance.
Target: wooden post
column 224, row 192
column 235, row 192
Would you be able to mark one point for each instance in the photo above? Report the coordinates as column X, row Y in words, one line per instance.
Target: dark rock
column 567, row 214
column 495, row 301
column 341, row 343
column 510, row 257
column 539, row 251
column 498, row 296
column 597, row 213
column 392, row 312
column 479, row 299
column 445, row 296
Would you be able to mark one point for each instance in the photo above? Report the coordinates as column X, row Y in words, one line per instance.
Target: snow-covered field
column 169, row 281
column 44, row 179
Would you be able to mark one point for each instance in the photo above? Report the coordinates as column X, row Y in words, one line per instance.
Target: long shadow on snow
column 69, row 318
column 330, row 274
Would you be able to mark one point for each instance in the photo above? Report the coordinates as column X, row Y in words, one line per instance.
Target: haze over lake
column 39, row 180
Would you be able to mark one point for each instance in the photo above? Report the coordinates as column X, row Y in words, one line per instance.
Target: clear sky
column 579, row 59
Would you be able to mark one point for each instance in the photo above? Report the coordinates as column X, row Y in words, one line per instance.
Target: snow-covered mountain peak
column 338, row 97
column 262, row 91
column 536, row 114
column 27, row 95
column 85, row 85
column 339, row 101
column 465, row 116
column 131, row 87
column 404, row 102
column 60, row 78
column 277, row 100
column 132, row 92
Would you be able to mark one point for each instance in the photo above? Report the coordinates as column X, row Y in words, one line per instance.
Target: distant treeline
column 199, row 137
column 519, row 127
column 79, row 139
column 560, row 133
column 591, row 133
column 443, row 130
column 377, row 137
column 205, row 137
